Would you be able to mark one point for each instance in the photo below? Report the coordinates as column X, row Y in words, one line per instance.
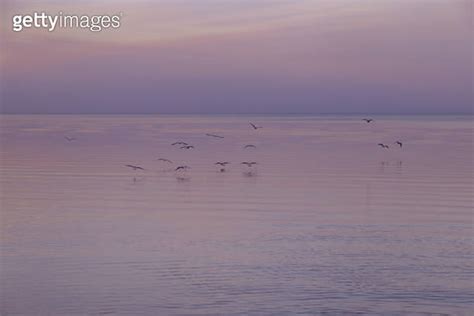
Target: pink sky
column 241, row 56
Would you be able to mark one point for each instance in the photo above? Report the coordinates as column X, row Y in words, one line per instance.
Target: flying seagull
column 179, row 143
column 222, row 163
column 249, row 164
column 255, row 126
column 187, row 147
column 399, row 143
column 134, row 167
column 383, row 145
column 165, row 160
column 368, row 120
column 69, row 139
column 182, row 168
column 250, row 146
column 214, row 135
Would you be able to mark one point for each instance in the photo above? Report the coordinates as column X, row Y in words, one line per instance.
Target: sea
column 326, row 222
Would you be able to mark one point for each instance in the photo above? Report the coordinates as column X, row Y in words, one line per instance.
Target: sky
column 242, row 56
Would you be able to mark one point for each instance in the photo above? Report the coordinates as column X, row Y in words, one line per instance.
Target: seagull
column 187, row 147
column 399, row 143
column 165, row 160
column 182, row 168
column 383, row 145
column 222, row 163
column 249, row 164
column 69, row 139
column 255, row 126
column 134, row 167
column 368, row 120
column 214, row 135
column 179, row 143
column 250, row 146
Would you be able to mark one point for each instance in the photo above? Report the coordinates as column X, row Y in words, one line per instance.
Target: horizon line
column 242, row 113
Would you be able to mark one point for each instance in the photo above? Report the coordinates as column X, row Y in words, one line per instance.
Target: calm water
column 326, row 223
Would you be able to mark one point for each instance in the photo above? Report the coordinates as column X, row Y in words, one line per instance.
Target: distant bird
column 383, row 145
column 134, row 167
column 250, row 146
column 368, row 120
column 249, row 164
column 214, row 135
column 255, row 126
column 179, row 143
column 69, row 139
column 182, row 168
column 399, row 143
column 222, row 163
column 164, row 160
column 187, row 147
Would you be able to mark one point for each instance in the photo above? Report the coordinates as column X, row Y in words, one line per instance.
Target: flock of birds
column 223, row 164
column 385, row 146
column 183, row 145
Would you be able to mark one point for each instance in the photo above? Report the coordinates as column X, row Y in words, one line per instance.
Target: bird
column 69, row 139
column 165, row 160
column 255, row 126
column 222, row 163
column 383, row 145
column 368, row 120
column 214, row 135
column 134, row 167
column 399, row 143
column 179, row 143
column 250, row 146
column 182, row 168
column 249, row 164
column 187, row 147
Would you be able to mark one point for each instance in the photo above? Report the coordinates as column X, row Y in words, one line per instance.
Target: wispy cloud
column 168, row 20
